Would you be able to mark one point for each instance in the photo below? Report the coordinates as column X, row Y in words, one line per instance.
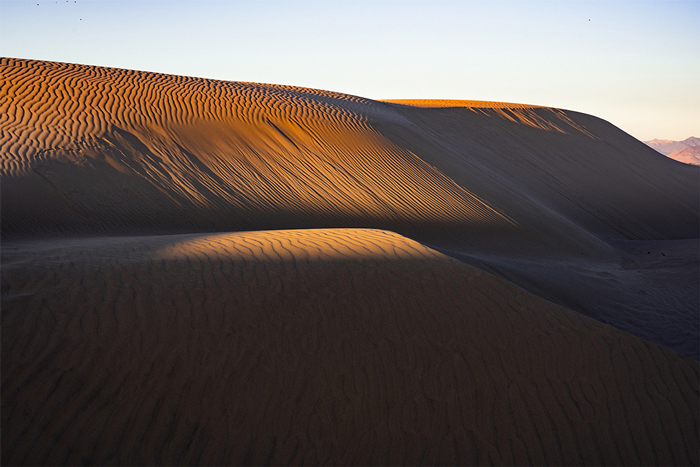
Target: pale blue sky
column 635, row 63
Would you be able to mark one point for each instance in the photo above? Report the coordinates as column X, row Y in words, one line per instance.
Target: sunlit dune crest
column 288, row 245
column 438, row 103
column 245, row 154
column 518, row 113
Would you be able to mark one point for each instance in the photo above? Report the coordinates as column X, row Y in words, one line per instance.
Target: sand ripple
column 176, row 153
column 138, row 329
column 317, row 346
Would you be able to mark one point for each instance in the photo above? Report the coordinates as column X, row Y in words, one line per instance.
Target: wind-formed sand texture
column 206, row 272
column 337, row 346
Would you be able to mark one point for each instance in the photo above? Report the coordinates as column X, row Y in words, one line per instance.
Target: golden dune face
column 46, row 105
column 294, row 245
column 234, row 149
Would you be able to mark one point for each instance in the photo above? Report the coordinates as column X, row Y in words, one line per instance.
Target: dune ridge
column 517, row 113
column 440, row 103
column 50, row 104
column 261, row 153
column 333, row 346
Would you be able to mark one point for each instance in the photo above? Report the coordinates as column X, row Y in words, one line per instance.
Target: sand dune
column 537, row 195
column 221, row 155
column 339, row 346
column 138, row 329
column 208, row 155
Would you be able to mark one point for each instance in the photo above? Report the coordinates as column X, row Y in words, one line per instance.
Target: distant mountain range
column 667, row 147
column 689, row 155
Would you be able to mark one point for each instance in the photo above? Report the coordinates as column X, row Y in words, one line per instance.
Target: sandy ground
column 317, row 346
column 649, row 288
column 207, row 272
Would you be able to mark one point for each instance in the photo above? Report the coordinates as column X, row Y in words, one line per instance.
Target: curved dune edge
column 440, row 103
column 339, row 346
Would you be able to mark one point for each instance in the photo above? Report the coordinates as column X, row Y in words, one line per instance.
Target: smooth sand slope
column 339, row 346
column 136, row 328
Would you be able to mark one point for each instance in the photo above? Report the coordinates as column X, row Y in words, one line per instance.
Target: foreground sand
column 138, row 329
column 341, row 346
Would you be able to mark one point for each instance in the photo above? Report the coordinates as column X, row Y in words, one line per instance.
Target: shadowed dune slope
column 582, row 169
column 338, row 346
column 555, row 164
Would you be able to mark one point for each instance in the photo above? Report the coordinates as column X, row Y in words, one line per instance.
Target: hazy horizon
column 630, row 63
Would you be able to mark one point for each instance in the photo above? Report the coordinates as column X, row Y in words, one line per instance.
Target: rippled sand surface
column 207, row 272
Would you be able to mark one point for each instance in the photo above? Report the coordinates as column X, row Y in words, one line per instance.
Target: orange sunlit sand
column 208, row 272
